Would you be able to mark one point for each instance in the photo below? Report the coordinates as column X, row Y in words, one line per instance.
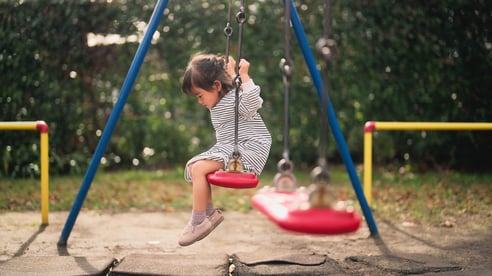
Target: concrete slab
column 56, row 265
column 262, row 258
column 171, row 264
column 284, row 264
column 404, row 265
column 464, row 272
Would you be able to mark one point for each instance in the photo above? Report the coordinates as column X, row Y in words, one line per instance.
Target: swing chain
column 287, row 68
column 235, row 164
column 241, row 18
column 285, row 180
column 322, row 196
column 286, row 65
column 228, row 33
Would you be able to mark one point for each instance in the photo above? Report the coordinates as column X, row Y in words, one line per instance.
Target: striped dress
column 254, row 140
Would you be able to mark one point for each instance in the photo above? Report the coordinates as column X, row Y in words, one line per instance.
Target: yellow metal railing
column 372, row 126
column 42, row 127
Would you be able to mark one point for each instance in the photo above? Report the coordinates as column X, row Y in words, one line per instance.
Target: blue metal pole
column 332, row 120
column 113, row 119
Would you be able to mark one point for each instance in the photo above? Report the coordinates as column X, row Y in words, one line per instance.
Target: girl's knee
column 196, row 169
column 203, row 167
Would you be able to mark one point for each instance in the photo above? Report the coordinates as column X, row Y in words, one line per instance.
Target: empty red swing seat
column 288, row 210
column 233, row 180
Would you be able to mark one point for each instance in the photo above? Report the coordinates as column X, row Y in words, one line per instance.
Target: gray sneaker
column 216, row 217
column 192, row 234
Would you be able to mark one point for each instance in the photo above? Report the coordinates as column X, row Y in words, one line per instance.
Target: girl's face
column 208, row 98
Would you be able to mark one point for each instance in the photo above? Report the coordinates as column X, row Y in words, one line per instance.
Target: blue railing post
column 113, row 119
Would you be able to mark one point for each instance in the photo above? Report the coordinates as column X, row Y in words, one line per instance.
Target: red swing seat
column 233, row 180
column 285, row 210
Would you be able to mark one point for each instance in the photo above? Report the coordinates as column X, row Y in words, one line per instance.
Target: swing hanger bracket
column 286, row 67
column 321, row 196
column 320, row 174
column 285, row 166
column 284, row 180
column 241, row 16
column 235, row 165
column 236, row 154
column 228, row 30
column 325, row 47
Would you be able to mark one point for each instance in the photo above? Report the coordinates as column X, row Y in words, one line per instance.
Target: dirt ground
column 400, row 249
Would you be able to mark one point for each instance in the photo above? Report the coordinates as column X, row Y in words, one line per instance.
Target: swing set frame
column 130, row 80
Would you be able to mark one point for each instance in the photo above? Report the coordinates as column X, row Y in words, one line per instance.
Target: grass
column 435, row 198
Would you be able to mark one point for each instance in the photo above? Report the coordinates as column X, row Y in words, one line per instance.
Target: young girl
column 208, row 79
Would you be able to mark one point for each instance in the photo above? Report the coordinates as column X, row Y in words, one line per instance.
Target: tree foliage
column 396, row 61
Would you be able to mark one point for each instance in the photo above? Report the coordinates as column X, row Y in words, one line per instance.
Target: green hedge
column 394, row 61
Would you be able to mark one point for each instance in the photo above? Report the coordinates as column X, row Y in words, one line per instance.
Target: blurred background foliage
column 64, row 62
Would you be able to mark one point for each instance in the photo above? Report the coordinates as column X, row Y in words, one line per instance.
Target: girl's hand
column 243, row 70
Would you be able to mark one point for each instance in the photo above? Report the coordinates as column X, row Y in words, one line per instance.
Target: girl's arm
column 250, row 100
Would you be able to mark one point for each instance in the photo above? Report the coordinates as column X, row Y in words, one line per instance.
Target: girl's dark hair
column 202, row 71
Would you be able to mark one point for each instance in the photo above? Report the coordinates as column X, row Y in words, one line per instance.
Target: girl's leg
column 202, row 193
column 200, row 226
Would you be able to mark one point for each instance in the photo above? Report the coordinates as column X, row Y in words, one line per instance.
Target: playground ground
column 142, row 243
